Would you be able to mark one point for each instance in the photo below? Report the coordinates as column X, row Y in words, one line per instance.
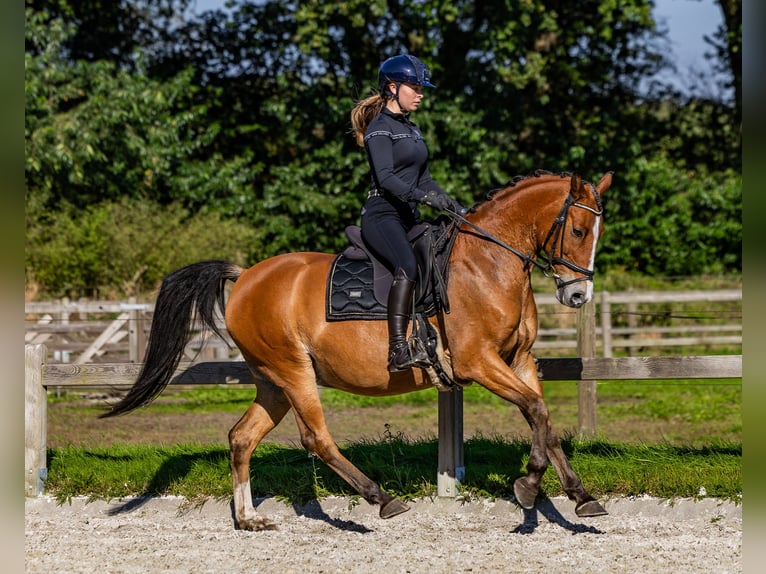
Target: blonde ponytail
column 363, row 113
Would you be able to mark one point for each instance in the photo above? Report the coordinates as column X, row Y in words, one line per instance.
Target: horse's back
column 276, row 314
column 288, row 286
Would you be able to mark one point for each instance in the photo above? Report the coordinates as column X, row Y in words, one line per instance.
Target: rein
column 527, row 259
column 555, row 236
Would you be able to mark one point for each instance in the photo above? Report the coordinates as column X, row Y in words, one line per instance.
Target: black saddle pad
column 351, row 293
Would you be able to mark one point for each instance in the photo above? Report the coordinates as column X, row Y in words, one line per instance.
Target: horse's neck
column 516, row 217
column 519, row 218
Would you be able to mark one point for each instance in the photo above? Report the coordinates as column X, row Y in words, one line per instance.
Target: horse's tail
column 189, row 294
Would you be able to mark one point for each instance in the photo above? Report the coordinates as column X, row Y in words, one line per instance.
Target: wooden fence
column 102, row 331
column 41, row 375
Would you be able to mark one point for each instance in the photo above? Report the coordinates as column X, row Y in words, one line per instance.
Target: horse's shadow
column 313, row 509
column 551, row 513
column 177, row 466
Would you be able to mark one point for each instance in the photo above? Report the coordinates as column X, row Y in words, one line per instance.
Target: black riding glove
column 442, row 202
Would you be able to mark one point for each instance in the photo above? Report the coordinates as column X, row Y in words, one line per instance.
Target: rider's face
column 409, row 96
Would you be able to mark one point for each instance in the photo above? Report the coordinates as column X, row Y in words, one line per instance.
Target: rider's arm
column 380, row 152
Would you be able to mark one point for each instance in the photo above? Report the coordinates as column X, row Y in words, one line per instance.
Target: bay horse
column 275, row 314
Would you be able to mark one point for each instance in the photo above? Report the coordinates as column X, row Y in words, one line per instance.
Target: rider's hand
column 457, row 208
column 437, row 200
column 443, row 202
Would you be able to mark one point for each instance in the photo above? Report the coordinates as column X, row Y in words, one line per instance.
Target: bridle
column 555, row 237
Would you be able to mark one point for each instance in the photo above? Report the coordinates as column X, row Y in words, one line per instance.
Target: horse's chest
column 520, row 332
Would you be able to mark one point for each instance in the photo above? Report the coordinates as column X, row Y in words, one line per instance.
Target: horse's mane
column 518, row 179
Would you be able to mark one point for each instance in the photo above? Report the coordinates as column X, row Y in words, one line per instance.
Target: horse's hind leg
column 268, row 409
column 317, row 439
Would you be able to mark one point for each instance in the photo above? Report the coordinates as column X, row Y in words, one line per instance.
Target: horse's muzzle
column 575, row 294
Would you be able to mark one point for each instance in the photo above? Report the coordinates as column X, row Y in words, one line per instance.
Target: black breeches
column 385, row 234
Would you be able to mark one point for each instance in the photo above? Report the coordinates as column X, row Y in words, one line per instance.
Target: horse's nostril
column 577, row 299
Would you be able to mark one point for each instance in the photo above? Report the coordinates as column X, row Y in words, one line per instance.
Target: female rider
column 398, row 159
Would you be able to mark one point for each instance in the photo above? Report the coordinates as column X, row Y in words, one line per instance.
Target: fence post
column 136, row 338
column 451, row 467
column 35, row 420
column 632, row 322
column 64, row 320
column 586, row 390
column 606, row 324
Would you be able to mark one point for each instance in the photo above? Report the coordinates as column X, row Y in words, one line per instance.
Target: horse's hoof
column 525, row 496
column 392, row 508
column 590, row 509
column 257, row 524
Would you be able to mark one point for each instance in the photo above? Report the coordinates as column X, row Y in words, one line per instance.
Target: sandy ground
column 340, row 535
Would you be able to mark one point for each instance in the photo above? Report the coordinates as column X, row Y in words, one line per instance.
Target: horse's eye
column 578, row 233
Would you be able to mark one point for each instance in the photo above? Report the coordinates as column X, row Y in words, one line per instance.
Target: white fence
column 82, row 332
column 451, row 468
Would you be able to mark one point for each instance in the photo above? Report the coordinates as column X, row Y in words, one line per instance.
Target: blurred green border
column 754, row 280
column 12, row 282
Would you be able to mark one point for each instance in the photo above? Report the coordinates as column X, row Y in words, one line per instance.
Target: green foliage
column 311, row 201
column 97, row 132
column 125, row 247
column 246, row 114
column 664, row 220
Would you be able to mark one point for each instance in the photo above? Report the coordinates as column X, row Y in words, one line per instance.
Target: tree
column 246, row 113
column 727, row 46
column 113, row 30
column 121, row 179
column 95, row 131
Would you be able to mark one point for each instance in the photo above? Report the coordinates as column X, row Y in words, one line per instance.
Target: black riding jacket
column 398, row 159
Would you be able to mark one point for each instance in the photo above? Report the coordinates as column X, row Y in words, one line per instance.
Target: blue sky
column 688, row 21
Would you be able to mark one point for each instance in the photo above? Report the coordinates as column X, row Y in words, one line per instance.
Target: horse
column 275, row 314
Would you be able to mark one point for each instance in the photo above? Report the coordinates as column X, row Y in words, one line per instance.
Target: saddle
column 358, row 283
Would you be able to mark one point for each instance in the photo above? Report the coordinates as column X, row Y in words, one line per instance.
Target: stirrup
column 407, row 355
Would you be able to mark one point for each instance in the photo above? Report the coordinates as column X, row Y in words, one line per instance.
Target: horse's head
column 569, row 246
column 551, row 221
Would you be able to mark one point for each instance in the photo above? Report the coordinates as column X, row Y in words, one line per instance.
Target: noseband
column 555, row 236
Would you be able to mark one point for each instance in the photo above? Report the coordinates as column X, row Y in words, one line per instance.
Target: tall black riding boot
column 400, row 356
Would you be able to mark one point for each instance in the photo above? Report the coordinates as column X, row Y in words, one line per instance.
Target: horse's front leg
column 526, row 488
column 495, row 375
column 585, row 504
column 268, row 409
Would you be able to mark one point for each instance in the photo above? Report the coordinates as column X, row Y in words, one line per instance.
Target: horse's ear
column 576, row 187
column 605, row 183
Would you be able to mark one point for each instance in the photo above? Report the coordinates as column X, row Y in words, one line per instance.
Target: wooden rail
column 40, row 376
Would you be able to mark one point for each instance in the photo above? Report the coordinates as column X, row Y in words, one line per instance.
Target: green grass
column 677, row 466
column 404, row 467
column 697, row 398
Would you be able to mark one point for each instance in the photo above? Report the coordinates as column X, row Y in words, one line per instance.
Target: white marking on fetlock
column 243, row 502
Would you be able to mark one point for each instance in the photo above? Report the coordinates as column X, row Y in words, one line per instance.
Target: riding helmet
column 404, row 68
